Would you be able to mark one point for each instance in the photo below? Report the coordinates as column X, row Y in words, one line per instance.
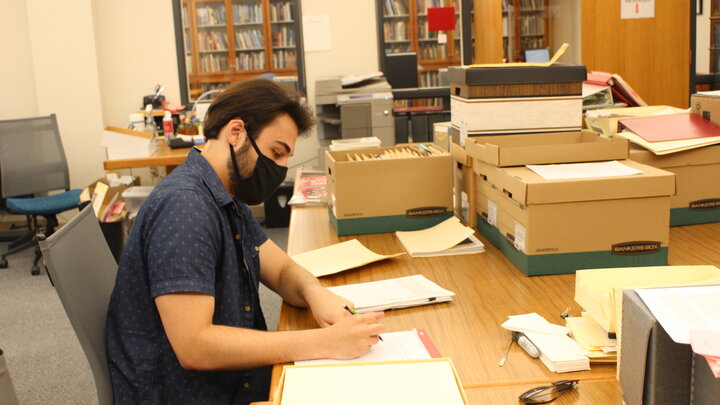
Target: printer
column 354, row 107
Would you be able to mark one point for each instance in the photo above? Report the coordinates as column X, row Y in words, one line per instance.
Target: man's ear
column 235, row 132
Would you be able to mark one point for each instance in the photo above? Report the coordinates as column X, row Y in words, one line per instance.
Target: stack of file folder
column 558, row 352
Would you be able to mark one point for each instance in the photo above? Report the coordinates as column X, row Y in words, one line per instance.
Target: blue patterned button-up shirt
column 186, row 238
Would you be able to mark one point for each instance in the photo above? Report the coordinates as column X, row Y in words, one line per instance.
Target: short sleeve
column 183, row 244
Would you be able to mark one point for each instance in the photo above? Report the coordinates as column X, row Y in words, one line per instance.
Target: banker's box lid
column 527, row 187
column 555, row 73
column 544, row 148
column 694, row 157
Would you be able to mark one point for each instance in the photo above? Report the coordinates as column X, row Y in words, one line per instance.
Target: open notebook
column 449, row 237
column 393, row 293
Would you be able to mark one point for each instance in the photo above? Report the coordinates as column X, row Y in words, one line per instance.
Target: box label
column 492, row 213
column 519, row 240
column 703, row 205
column 425, row 211
column 635, row 248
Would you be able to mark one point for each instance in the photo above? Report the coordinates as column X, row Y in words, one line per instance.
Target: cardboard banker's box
column 698, row 182
column 463, row 185
column 559, row 226
column 654, row 369
column 387, row 195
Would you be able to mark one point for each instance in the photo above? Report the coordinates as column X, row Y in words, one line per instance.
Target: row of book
column 433, row 51
column 251, row 60
column 247, row 13
column 283, row 36
column 396, row 7
column 213, row 63
column 429, row 78
column 395, row 30
column 423, row 31
column 249, row 39
column 533, row 42
column 281, row 11
column 210, row 15
column 423, row 5
column 532, row 24
column 284, row 59
column 212, row 41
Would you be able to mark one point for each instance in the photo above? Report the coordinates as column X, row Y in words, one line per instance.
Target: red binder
column 674, row 127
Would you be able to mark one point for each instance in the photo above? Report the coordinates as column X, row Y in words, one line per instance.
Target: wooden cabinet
column 405, row 29
column 526, row 25
column 230, row 40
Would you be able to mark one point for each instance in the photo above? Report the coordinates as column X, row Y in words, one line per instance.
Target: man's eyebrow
column 285, row 145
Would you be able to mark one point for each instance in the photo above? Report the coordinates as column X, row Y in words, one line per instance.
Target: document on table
column 683, row 309
column 583, row 170
column 399, row 292
column 406, row 345
column 446, row 238
column 417, row 382
column 338, row 257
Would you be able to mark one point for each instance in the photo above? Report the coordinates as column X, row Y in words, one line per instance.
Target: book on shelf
column 449, row 237
column 394, row 293
column 621, row 90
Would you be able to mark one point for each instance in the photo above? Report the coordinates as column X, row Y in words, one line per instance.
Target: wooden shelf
column 216, row 22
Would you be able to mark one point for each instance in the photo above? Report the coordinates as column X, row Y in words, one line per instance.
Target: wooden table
column 163, row 156
column 488, row 288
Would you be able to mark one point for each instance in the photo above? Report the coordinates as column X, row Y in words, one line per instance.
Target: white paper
column 533, row 323
column 583, row 170
column 637, row 9
column 392, row 293
column 519, row 241
column 404, row 345
column 442, row 38
column 680, row 310
column 316, row 33
column 492, row 213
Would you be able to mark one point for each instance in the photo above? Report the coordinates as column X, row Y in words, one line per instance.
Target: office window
column 224, row 41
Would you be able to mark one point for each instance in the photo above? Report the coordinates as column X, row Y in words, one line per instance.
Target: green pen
column 352, row 311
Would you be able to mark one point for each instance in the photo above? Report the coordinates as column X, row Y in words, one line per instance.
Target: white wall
column 354, row 50
column 17, row 77
column 62, row 39
column 565, row 19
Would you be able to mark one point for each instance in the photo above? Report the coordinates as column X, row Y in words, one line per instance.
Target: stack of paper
column 400, row 292
column 407, row 345
column 592, row 337
column 663, row 134
column 338, row 257
column 558, row 351
column 449, row 237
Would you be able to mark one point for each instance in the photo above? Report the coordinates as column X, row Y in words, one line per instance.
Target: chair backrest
column 32, row 159
column 83, row 270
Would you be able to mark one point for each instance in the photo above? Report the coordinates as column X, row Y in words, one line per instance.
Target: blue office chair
column 32, row 162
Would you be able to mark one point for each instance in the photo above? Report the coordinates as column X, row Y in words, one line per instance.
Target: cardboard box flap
column 552, row 147
column 460, row 154
column 695, row 157
column 526, row 187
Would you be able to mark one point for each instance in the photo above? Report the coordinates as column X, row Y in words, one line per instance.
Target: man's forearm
column 296, row 285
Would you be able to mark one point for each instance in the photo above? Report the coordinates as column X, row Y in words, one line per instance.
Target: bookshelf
column 404, row 26
column 525, row 25
column 224, row 41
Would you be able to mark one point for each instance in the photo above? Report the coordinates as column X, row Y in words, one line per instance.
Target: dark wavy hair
column 257, row 102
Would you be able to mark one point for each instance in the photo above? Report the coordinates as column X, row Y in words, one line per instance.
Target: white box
column 123, row 143
column 135, row 196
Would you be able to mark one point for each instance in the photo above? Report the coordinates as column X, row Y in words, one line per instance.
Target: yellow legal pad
column 417, row 382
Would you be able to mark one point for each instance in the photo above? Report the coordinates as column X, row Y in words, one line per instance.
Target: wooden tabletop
column 488, row 288
column 163, row 156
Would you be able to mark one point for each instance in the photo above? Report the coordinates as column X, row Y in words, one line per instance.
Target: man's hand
column 352, row 336
column 327, row 308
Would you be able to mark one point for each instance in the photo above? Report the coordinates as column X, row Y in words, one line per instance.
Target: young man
column 185, row 324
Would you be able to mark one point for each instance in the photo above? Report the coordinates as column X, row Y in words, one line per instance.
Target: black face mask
column 264, row 180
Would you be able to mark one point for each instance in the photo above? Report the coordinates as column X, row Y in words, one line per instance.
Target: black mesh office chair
column 32, row 163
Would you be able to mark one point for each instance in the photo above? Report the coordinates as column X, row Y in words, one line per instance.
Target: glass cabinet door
column 282, row 22
column 396, row 26
column 249, row 36
column 212, row 36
